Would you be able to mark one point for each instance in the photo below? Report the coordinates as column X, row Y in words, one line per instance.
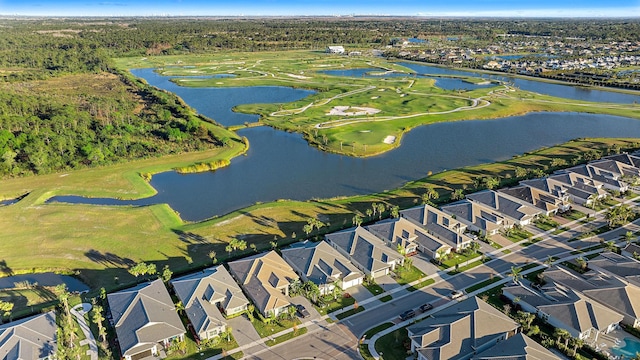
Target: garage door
column 142, row 355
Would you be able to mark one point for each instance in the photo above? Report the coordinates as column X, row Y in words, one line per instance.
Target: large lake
column 281, row 165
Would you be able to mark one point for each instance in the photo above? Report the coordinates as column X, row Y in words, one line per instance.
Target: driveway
column 243, row 331
column 360, row 293
column 423, row 263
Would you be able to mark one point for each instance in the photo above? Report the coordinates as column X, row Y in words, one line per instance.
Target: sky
column 434, row 8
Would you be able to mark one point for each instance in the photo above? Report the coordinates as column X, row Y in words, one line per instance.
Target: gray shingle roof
column 517, row 347
column 320, row 263
column 456, row 331
column 200, row 292
column 439, row 224
column 263, row 278
column 143, row 316
column 30, row 338
column 473, row 213
column 365, row 248
column 504, row 205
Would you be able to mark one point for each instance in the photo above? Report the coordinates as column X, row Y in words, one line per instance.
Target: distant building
column 335, row 49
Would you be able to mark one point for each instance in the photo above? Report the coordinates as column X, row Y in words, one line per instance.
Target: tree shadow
column 5, row 269
column 108, row 258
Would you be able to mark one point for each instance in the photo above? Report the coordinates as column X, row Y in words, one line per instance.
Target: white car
column 455, row 294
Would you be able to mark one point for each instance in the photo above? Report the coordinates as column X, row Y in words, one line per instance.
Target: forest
column 63, row 105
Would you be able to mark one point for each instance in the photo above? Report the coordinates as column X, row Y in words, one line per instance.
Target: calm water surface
column 281, row 165
column 563, row 91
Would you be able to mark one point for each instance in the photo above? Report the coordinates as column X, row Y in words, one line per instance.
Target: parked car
column 455, row 294
column 302, row 311
column 426, row 307
column 407, row 315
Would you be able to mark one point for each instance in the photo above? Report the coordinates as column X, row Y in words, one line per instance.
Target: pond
column 559, row 90
column 441, row 82
column 44, row 279
column 282, row 165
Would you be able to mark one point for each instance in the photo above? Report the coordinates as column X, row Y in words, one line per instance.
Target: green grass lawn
column 374, row 288
column 573, row 215
column 470, row 265
column 457, row 259
column 267, row 329
column 546, row 224
column 286, row 337
column 489, row 281
column 421, row 284
column 391, row 345
column 517, row 235
column 334, row 305
column 194, row 351
column 348, row 313
column 405, row 276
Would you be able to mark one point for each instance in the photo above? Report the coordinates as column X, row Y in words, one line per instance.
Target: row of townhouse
column 589, row 304
column 490, row 211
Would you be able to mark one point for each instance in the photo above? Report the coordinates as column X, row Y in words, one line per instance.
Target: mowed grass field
column 403, row 102
column 100, row 242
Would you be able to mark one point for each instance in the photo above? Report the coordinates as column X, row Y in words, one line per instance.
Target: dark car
column 407, row 315
column 302, row 311
column 426, row 307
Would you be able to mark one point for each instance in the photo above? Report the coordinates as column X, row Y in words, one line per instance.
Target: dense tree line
column 41, row 133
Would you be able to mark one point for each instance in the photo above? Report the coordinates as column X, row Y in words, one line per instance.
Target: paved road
column 339, row 341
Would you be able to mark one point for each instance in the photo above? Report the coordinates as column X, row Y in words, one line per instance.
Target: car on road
column 302, row 311
column 407, row 315
column 455, row 294
column 426, row 307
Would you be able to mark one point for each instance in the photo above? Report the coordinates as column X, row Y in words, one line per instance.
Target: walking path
column 78, row 311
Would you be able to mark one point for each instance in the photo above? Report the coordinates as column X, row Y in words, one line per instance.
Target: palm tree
column 515, row 274
column 628, row 237
column 356, row 220
column 560, row 334
column 457, row 194
column 441, row 252
column 582, row 263
column 429, row 194
column 577, row 344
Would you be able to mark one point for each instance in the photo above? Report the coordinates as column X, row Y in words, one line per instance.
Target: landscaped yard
column 479, row 286
column 374, row 288
column 350, row 312
column 331, row 305
column 391, row 345
column 405, row 276
column 286, row 337
column 546, row 223
column 573, row 215
column 267, row 329
column 456, row 259
column 421, row 284
column 517, row 234
column 193, row 350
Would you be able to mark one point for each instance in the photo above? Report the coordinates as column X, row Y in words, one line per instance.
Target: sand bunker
column 298, row 76
column 352, row 111
column 389, row 139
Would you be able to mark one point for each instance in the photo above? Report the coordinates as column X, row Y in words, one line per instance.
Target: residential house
column 476, row 217
column 206, row 296
column 441, row 227
column 632, row 251
column 366, row 251
column 323, row 265
column 337, row 49
column 514, row 212
column 564, row 308
column 579, row 189
column 517, row 347
column 607, row 172
column 543, row 200
column 624, row 267
column 265, row 278
column 460, row 331
column 30, row 338
column 145, row 320
column 399, row 233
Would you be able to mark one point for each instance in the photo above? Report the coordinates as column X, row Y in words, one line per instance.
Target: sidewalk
column 78, row 311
